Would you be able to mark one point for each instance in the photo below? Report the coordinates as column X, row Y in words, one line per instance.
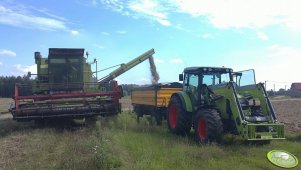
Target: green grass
column 120, row 143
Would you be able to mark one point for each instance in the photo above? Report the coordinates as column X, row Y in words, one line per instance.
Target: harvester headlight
column 204, row 69
column 210, row 69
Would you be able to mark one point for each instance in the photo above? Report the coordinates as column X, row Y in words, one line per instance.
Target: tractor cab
column 199, row 83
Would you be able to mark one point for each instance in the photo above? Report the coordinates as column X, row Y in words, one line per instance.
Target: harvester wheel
column 178, row 120
column 208, row 126
column 91, row 121
column 39, row 122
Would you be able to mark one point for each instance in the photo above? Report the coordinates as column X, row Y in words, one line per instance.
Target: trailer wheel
column 178, row 120
column 208, row 126
column 139, row 112
column 156, row 118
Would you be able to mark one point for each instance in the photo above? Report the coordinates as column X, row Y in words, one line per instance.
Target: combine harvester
column 66, row 88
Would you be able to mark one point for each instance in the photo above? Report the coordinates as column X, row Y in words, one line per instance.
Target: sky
column 249, row 34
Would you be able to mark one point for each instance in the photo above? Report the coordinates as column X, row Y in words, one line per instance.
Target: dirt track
column 289, row 113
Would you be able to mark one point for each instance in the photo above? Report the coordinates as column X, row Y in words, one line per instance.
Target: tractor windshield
column 244, row 78
column 213, row 78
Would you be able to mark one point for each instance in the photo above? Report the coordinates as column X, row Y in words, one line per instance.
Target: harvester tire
column 178, row 120
column 40, row 122
column 208, row 126
column 90, row 121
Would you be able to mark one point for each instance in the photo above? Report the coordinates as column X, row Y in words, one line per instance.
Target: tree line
column 7, row 84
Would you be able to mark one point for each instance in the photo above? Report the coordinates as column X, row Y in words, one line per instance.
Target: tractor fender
column 185, row 100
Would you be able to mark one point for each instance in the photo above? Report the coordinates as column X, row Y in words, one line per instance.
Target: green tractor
column 216, row 100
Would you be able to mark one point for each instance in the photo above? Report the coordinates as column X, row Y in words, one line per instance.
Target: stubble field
column 120, row 143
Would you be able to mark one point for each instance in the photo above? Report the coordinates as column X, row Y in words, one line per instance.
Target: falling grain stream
column 153, row 69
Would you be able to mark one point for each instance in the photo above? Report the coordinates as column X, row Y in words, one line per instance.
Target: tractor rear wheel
column 178, row 120
column 208, row 126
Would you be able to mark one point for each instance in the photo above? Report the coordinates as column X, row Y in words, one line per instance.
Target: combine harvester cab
column 64, row 87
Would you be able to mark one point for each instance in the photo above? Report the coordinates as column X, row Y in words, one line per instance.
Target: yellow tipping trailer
column 153, row 100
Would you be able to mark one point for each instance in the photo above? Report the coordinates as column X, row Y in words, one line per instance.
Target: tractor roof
column 207, row 69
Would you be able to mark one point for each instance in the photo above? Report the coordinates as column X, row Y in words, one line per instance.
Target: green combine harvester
column 216, row 100
column 65, row 87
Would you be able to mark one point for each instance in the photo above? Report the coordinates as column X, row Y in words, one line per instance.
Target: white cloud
column 250, row 14
column 4, row 52
column 283, row 65
column 262, row 36
column 164, row 22
column 159, row 61
column 30, row 17
column 26, row 69
column 221, row 14
column 279, row 65
column 153, row 10
column 121, row 32
column 176, row 61
column 74, row 32
column 1, row 63
column 105, row 33
column 205, row 36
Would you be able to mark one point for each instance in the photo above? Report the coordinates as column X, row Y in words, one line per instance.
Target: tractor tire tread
column 183, row 123
column 213, row 123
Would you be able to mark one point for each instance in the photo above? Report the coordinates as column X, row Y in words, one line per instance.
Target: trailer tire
column 138, row 111
column 208, row 126
column 156, row 118
column 178, row 120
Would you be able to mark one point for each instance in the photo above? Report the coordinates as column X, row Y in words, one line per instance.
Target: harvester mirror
column 180, row 77
column 29, row 74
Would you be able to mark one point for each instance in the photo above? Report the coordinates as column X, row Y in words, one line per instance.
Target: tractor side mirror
column 180, row 77
column 29, row 74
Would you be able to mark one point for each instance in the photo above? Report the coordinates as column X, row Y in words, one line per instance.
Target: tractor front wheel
column 208, row 126
column 178, row 120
